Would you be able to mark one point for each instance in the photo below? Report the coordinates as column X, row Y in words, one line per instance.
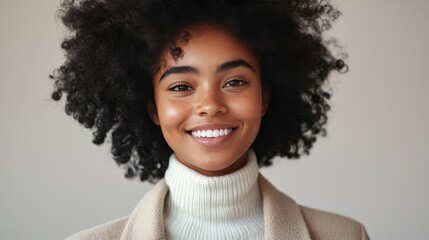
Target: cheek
column 172, row 113
column 248, row 108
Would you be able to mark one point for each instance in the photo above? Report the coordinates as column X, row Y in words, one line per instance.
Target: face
column 209, row 103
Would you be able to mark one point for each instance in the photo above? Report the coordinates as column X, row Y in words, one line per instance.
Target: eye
column 235, row 83
column 180, row 88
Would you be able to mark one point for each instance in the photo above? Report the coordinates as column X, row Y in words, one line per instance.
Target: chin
column 214, row 165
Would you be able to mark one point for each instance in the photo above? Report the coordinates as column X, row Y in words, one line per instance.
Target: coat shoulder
column 109, row 230
column 327, row 225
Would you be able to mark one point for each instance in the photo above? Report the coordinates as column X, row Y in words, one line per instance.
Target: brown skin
column 231, row 98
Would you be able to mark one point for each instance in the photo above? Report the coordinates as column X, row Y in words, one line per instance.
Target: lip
column 211, row 126
column 212, row 142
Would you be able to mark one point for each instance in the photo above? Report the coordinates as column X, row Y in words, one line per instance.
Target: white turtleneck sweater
column 213, row 207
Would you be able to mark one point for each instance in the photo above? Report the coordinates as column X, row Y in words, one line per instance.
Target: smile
column 211, row 133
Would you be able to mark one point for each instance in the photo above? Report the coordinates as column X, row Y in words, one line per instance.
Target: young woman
column 197, row 95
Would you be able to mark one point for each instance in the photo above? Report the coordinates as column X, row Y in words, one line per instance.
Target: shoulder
column 327, row 225
column 109, row 230
column 145, row 213
column 284, row 214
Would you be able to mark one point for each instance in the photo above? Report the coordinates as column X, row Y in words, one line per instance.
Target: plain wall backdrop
column 372, row 166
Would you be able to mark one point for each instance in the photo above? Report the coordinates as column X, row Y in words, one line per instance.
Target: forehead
column 209, row 45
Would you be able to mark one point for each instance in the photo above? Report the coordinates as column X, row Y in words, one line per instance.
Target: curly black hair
column 113, row 49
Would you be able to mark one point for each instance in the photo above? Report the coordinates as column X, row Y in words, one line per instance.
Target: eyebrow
column 221, row 68
column 179, row 69
column 233, row 64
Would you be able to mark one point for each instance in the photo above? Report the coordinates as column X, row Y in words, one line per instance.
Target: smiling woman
column 198, row 95
column 215, row 86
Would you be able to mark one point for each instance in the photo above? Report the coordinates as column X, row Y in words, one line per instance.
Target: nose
column 210, row 103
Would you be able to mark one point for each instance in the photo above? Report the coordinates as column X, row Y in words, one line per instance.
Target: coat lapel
column 146, row 220
column 282, row 216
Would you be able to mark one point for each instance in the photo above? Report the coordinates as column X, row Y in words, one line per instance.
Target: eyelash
column 177, row 86
column 237, row 80
column 181, row 85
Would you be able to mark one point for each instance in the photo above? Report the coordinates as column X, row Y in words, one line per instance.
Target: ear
column 153, row 114
column 266, row 94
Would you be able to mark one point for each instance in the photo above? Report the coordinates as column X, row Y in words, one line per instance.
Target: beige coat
column 283, row 219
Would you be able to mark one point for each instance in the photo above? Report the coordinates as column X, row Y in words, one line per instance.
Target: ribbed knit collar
column 195, row 201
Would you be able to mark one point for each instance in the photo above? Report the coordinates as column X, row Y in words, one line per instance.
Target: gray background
column 372, row 166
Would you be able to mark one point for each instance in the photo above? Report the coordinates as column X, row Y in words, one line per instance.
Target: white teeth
column 216, row 133
column 211, row 133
